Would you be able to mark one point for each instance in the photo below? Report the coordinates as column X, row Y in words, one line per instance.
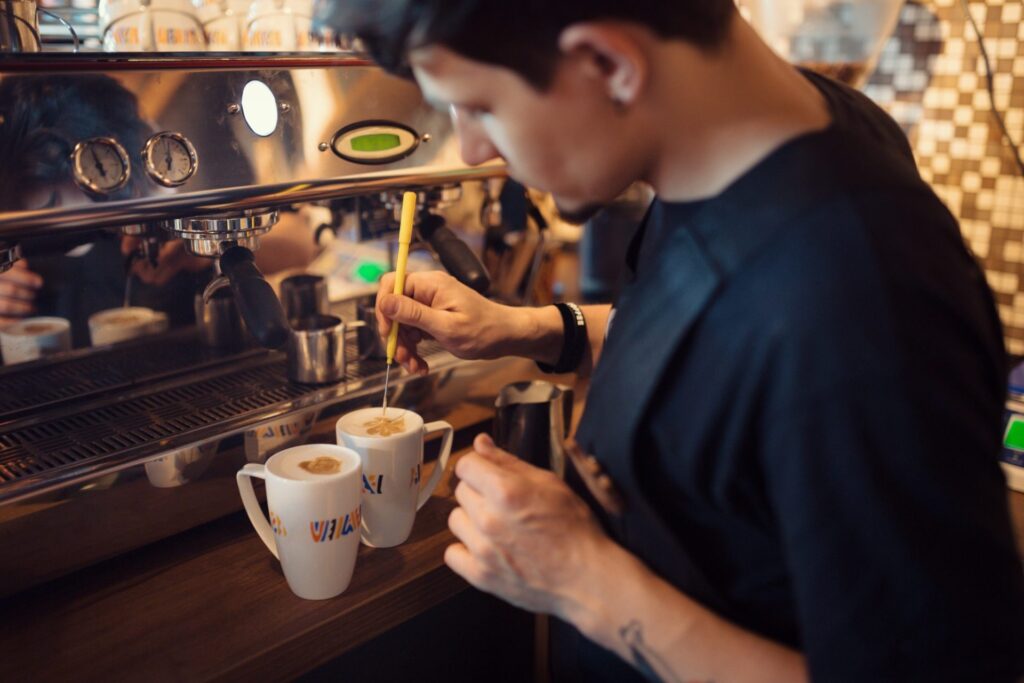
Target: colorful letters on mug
column 330, row 529
column 277, row 525
column 373, row 484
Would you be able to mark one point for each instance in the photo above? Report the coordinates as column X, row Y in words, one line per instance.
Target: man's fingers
column 408, row 311
column 15, row 307
column 499, row 483
column 145, row 272
column 472, row 502
column 129, row 244
column 411, row 335
column 484, row 445
column 16, row 293
column 410, row 360
column 466, row 531
column 20, row 274
column 461, row 561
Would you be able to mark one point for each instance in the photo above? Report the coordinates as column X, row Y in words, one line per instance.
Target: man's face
column 569, row 140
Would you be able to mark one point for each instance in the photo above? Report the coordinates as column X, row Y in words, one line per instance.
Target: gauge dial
column 100, row 165
column 170, row 158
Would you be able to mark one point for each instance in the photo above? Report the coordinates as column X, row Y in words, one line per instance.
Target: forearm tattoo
column 647, row 661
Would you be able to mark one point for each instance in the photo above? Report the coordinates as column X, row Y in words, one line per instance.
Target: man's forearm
column 626, row 608
column 539, row 335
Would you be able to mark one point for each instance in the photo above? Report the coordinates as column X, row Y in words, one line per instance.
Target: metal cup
column 316, row 349
column 532, row 420
column 219, row 322
column 303, row 296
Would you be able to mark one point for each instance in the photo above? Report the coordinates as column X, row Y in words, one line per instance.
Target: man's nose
column 474, row 144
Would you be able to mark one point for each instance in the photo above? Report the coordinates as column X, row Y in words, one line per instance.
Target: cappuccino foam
column 312, row 463
column 119, row 317
column 33, row 329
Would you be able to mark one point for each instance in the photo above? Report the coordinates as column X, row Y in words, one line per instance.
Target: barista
column 798, row 400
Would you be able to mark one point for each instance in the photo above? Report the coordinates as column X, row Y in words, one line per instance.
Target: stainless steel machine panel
column 289, row 145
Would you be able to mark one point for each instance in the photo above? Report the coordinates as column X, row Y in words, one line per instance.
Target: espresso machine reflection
column 205, row 154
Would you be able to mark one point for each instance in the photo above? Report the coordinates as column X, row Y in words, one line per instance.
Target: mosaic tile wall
column 931, row 79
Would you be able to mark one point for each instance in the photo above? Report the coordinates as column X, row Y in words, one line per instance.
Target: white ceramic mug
column 223, row 23
column 34, row 338
column 392, row 464
column 280, row 26
column 124, row 323
column 314, row 504
column 150, row 26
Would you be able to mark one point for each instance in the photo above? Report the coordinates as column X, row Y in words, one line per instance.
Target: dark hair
column 43, row 117
column 522, row 35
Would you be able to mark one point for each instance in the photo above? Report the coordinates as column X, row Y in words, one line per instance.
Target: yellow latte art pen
column 404, row 238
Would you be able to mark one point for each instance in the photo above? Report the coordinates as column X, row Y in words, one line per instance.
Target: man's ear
column 610, row 52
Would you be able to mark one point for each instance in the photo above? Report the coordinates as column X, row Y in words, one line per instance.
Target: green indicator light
column 1015, row 434
column 369, row 271
column 376, row 142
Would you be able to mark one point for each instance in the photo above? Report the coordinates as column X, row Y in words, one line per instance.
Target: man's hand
column 437, row 306
column 18, row 289
column 525, row 536
column 172, row 259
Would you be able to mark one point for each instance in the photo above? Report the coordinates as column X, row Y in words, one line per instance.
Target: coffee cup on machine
column 33, row 338
column 121, row 324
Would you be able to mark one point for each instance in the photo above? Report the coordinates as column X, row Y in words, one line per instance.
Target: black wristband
column 574, row 340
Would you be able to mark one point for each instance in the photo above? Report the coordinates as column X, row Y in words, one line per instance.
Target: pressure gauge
column 170, row 158
column 100, row 165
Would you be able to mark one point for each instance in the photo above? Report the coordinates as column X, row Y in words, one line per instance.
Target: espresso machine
column 105, row 449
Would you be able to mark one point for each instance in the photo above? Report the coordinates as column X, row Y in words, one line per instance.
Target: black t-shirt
column 821, row 443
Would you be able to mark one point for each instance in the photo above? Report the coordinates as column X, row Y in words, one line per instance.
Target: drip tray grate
column 135, row 422
column 28, row 389
column 126, row 423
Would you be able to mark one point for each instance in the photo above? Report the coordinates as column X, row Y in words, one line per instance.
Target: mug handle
column 252, row 506
column 442, row 459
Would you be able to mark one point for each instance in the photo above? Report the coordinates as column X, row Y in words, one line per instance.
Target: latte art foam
column 376, row 424
column 383, row 426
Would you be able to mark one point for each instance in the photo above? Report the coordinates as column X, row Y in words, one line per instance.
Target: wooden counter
column 212, row 604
